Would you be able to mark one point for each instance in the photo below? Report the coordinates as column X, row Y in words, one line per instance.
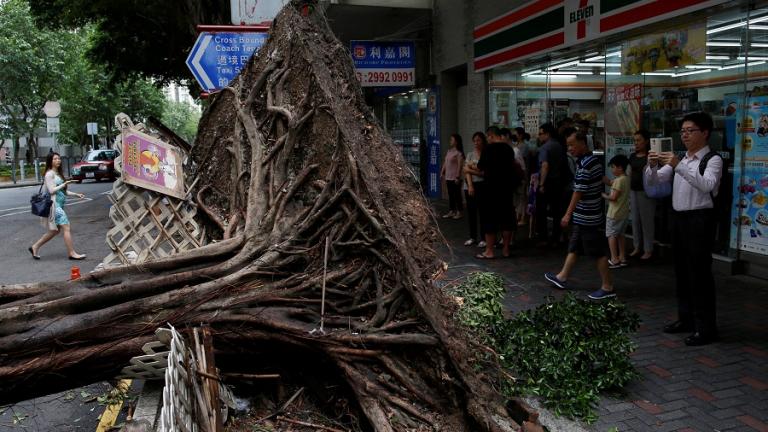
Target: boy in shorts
column 618, row 212
column 587, row 209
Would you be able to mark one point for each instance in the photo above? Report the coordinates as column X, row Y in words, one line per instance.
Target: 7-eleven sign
column 582, row 21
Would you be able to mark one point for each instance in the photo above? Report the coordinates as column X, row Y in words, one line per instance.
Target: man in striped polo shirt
column 588, row 212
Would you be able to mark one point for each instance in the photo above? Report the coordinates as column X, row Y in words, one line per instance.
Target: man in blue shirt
column 587, row 212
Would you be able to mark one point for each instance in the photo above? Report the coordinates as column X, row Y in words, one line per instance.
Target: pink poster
column 152, row 164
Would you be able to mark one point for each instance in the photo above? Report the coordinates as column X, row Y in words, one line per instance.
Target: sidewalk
column 27, row 182
column 718, row 387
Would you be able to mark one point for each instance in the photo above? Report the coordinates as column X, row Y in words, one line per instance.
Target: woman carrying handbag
column 57, row 221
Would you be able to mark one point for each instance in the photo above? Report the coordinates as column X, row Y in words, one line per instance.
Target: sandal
column 37, row 257
column 482, row 256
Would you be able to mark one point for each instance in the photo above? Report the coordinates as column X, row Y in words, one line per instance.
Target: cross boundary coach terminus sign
column 218, row 56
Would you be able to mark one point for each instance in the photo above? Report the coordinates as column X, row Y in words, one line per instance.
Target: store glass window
column 405, row 123
column 716, row 63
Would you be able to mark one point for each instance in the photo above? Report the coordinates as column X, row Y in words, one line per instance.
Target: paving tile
column 708, row 361
column 672, row 415
column 723, row 394
column 660, row 371
column 753, row 423
column 729, row 379
column 725, row 413
column 754, row 383
column 757, row 352
column 649, row 407
column 702, row 394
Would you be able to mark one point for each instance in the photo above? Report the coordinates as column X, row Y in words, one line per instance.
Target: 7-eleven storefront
column 616, row 66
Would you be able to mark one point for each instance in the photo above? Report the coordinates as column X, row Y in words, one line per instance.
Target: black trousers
column 549, row 203
column 473, row 210
column 454, row 195
column 693, row 236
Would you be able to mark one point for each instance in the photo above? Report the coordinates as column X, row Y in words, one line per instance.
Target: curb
column 18, row 185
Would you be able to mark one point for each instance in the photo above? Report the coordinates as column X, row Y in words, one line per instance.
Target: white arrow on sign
column 199, row 67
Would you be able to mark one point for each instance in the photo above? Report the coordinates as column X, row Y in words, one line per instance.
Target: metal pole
column 93, row 146
column 325, row 272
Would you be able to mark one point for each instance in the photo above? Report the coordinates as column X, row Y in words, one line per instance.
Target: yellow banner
column 675, row 48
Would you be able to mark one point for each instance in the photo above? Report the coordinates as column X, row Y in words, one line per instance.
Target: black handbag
column 41, row 203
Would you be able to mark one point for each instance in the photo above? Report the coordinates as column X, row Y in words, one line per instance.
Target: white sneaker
column 481, row 244
column 469, row 242
column 457, row 215
column 448, row 215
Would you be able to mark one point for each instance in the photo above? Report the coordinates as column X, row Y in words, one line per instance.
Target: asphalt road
column 19, row 228
column 77, row 409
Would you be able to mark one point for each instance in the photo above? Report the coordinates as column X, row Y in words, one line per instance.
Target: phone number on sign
column 383, row 77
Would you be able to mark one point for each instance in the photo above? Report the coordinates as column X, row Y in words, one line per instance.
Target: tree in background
column 182, row 118
column 39, row 64
column 151, row 39
column 32, row 66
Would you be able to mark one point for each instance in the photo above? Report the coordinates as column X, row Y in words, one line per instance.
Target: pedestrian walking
column 695, row 183
column 586, row 212
column 57, row 221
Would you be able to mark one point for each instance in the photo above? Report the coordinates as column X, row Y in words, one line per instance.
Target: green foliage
column 38, row 64
column 32, row 65
column 481, row 309
column 149, row 39
column 182, row 118
column 567, row 352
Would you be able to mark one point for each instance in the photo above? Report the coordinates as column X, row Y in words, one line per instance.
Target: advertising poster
column 623, row 109
column 665, row 50
column 749, row 228
column 152, row 164
column 433, row 143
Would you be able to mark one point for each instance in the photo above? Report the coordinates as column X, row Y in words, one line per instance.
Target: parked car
column 96, row 165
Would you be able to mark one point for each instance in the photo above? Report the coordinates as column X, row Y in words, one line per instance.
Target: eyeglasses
column 688, row 131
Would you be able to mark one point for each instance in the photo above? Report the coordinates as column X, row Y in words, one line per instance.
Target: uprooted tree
column 292, row 168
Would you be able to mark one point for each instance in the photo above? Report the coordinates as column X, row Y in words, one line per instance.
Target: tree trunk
column 314, row 210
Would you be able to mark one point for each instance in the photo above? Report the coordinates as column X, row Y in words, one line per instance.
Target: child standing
column 618, row 211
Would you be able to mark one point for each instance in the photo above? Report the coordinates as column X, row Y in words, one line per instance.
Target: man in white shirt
column 693, row 227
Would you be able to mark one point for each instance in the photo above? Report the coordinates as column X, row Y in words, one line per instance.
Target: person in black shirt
column 549, row 197
column 497, row 204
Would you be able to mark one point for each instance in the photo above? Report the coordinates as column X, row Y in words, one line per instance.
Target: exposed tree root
column 319, row 170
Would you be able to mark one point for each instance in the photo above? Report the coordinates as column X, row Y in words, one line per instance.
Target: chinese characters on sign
column 152, row 164
column 433, row 142
column 384, row 64
column 217, row 58
column 623, row 109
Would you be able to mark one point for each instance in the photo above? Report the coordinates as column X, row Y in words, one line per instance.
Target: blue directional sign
column 217, row 58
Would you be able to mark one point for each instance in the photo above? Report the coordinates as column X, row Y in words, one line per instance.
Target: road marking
column 109, row 417
column 27, row 209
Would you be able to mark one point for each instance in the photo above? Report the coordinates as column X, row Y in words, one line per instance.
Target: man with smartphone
column 693, row 226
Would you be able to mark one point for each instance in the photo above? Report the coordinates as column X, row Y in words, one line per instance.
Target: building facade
column 620, row 65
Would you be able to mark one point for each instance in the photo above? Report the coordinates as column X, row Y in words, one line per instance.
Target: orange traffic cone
column 74, row 273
